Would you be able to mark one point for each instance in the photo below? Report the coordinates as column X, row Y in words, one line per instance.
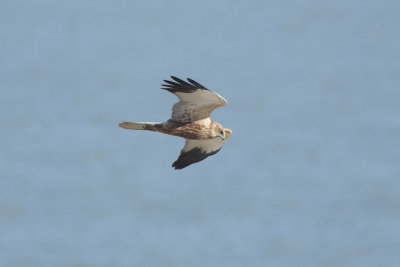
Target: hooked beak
column 228, row 132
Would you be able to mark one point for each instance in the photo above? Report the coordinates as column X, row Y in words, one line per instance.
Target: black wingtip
column 196, row 83
column 179, row 165
column 177, row 168
column 179, row 85
column 193, row 156
column 181, row 81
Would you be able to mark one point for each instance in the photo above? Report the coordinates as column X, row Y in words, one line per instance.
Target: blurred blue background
column 308, row 178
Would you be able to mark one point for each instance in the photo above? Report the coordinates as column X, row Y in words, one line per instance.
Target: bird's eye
column 221, row 132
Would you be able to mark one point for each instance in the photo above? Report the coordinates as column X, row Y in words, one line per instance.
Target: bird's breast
column 196, row 130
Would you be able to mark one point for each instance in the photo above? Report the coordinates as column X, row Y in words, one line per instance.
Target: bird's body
column 191, row 120
column 196, row 130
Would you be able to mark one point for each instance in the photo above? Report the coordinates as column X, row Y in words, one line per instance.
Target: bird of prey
column 190, row 119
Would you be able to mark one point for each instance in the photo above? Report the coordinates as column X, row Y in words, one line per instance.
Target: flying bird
column 190, row 119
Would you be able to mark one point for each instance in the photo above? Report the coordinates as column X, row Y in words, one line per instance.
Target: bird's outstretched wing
column 197, row 150
column 195, row 101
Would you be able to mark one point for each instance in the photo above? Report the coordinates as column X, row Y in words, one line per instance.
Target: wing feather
column 196, row 102
column 197, row 150
column 196, row 84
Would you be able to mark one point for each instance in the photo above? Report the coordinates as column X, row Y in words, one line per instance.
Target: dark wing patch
column 182, row 86
column 187, row 158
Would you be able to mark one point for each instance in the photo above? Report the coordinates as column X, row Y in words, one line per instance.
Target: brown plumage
column 190, row 119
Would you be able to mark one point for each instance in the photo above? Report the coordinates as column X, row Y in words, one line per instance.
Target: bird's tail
column 138, row 125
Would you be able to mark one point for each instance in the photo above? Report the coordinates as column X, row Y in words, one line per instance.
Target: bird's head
column 222, row 132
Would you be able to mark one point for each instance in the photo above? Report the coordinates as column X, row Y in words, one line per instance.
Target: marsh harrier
column 191, row 120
